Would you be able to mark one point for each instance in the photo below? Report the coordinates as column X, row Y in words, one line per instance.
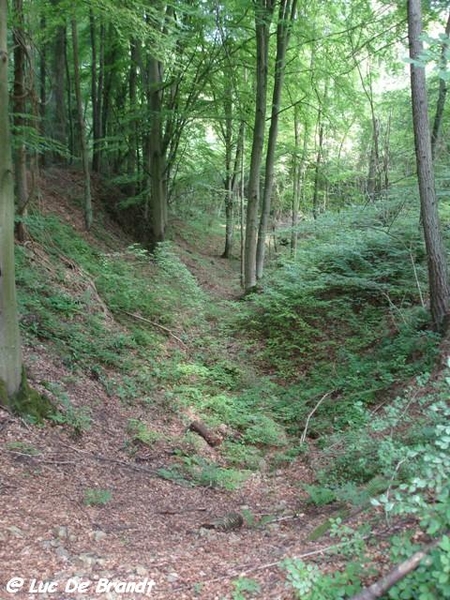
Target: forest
column 224, row 299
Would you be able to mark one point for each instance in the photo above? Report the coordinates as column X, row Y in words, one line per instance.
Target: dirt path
column 150, row 528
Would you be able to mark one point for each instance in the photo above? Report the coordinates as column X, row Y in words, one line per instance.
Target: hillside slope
column 133, row 349
column 140, row 525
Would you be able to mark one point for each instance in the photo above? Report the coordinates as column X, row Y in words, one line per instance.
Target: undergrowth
column 324, row 354
column 344, row 319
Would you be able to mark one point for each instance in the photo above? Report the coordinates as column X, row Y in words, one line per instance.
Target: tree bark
column 298, row 175
column 437, row 264
column 315, row 199
column 59, row 119
column 263, row 18
column 82, row 129
column 286, row 16
column 379, row 588
column 107, row 74
column 156, row 158
column 227, row 131
column 95, row 94
column 133, row 151
column 19, row 110
column 437, row 123
column 10, row 351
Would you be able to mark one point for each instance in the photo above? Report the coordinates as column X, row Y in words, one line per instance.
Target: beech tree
column 437, row 264
column 263, row 18
column 10, row 351
column 82, row 129
column 286, row 15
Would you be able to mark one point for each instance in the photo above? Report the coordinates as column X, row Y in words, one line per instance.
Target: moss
column 27, row 402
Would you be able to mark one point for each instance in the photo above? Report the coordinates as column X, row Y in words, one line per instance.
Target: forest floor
column 150, row 529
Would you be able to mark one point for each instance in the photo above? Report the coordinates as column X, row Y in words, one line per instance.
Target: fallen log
column 209, row 436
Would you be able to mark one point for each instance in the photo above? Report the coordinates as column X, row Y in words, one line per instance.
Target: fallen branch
column 277, row 563
column 209, row 436
column 114, row 461
column 157, row 325
column 305, row 431
column 380, row 587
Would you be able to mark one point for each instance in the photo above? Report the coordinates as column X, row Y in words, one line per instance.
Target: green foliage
column 22, row 448
column 431, row 579
column 426, row 494
column 309, row 583
column 245, row 588
column 414, row 473
column 139, row 432
column 196, row 470
column 97, row 496
column 78, row 418
column 342, row 318
column 206, row 473
column 320, row 496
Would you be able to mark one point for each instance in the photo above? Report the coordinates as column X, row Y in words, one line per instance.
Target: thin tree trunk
column 437, row 123
column 263, row 18
column 399, row 572
column 73, row 138
column 95, row 96
column 242, row 209
column 231, row 191
column 315, row 201
column 10, row 351
column 133, row 135
column 227, row 131
column 386, row 155
column 158, row 197
column 373, row 177
column 108, row 55
column 43, row 90
column 82, row 128
column 298, row 177
column 59, row 85
column 19, row 110
column 286, row 16
column 437, row 263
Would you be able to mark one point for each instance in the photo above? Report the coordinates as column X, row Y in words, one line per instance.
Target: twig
column 380, row 587
column 114, row 461
column 422, row 301
column 276, row 563
column 157, row 325
column 305, row 431
column 183, row 510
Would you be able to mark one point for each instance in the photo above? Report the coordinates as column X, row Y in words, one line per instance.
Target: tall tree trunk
column 232, row 167
column 263, row 18
column 108, row 55
column 19, row 110
column 437, row 263
column 227, row 131
column 82, row 129
column 373, row 177
column 156, row 158
column 387, row 152
column 315, row 200
column 43, row 90
column 298, row 174
column 10, row 351
column 59, row 118
column 134, row 128
column 95, row 94
column 286, row 16
column 437, row 123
